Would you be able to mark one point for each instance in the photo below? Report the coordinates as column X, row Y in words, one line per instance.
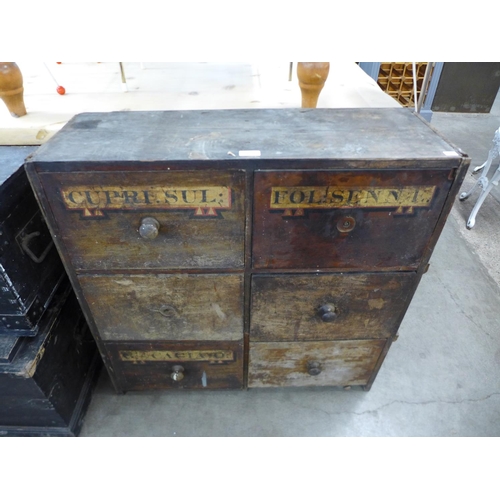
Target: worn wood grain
column 202, row 136
column 391, row 214
column 205, row 365
column 289, row 307
column 46, row 388
column 341, row 363
column 166, row 306
column 200, row 215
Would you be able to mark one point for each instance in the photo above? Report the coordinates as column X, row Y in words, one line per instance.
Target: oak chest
column 246, row 248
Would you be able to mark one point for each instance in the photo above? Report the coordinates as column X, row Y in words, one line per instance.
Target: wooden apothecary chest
column 233, row 248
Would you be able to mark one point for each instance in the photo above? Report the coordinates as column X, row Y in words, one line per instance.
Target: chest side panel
column 149, row 220
column 370, row 220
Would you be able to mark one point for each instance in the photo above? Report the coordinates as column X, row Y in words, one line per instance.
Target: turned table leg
column 312, row 77
column 11, row 88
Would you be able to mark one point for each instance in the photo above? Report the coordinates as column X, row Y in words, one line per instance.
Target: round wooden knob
column 149, row 228
column 346, row 224
column 313, row 368
column 327, row 312
column 177, row 373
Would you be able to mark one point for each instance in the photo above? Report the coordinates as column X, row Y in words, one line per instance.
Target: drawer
column 328, row 306
column 150, row 220
column 177, row 365
column 166, row 307
column 299, row 364
column 365, row 220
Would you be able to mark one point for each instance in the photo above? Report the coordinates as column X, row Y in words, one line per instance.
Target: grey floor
column 441, row 378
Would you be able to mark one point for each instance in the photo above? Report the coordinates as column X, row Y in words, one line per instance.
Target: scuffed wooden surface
column 344, row 362
column 285, row 308
column 166, row 307
column 381, row 240
column 206, row 375
column 184, row 241
column 213, row 134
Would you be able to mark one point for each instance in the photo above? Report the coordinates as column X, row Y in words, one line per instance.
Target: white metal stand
column 483, row 182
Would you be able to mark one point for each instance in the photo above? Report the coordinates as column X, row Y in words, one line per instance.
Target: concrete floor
column 441, row 378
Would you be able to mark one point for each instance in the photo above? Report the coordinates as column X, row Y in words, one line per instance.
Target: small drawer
column 291, row 307
column 166, row 306
column 378, row 220
column 150, row 220
column 177, row 365
column 300, row 364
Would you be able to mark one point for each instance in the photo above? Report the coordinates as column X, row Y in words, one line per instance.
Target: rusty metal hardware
column 327, row 312
column 313, row 368
column 25, row 242
column 149, row 228
column 346, row 224
column 177, row 373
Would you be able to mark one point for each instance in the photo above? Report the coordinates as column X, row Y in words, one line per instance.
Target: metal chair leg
column 483, row 182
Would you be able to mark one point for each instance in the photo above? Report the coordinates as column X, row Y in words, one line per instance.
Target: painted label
column 213, row 355
column 94, row 201
column 328, row 197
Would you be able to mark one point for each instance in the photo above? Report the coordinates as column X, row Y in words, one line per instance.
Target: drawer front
column 370, row 220
column 177, row 365
column 300, row 364
column 150, row 220
column 166, row 307
column 328, row 307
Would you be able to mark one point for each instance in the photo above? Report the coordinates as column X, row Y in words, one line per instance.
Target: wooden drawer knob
column 177, row 373
column 313, row 368
column 328, row 313
column 149, row 228
column 346, row 224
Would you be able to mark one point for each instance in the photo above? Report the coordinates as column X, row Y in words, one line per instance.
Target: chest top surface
column 243, row 138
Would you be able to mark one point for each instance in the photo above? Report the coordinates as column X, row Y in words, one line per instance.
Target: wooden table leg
column 312, row 77
column 11, row 88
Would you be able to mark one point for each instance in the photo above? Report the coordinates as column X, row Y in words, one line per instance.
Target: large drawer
column 298, row 364
column 166, row 306
column 328, row 306
column 365, row 220
column 177, row 365
column 150, row 220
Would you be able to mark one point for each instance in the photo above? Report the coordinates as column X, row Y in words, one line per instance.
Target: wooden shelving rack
column 396, row 79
